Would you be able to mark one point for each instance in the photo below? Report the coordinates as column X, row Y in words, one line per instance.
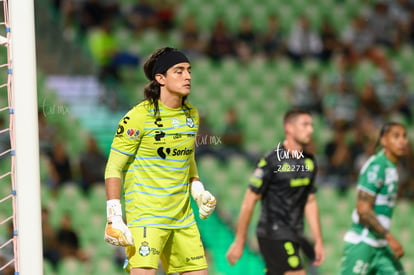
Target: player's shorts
column 180, row 250
column 280, row 256
column 363, row 259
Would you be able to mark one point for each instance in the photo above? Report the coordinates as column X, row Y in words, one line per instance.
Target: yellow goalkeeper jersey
column 156, row 178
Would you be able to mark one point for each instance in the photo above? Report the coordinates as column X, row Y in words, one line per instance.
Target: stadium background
column 76, row 102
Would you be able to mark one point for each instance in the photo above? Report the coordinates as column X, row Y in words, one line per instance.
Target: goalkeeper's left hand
column 206, row 202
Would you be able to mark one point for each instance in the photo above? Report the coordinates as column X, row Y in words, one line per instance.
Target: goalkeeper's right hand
column 116, row 232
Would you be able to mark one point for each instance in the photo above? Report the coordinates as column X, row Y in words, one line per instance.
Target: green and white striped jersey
column 378, row 177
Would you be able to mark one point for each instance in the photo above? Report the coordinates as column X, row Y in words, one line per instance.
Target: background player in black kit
column 284, row 182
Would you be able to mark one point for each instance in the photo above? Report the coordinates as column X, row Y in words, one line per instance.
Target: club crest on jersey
column 144, row 249
column 190, row 122
column 132, row 133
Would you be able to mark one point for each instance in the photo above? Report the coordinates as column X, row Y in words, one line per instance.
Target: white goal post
column 26, row 139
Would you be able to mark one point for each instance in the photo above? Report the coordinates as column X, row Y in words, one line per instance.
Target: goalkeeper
column 152, row 161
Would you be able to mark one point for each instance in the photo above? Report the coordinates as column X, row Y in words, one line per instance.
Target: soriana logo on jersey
column 164, row 152
column 132, row 133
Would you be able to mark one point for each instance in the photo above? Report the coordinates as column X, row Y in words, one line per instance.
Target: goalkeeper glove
column 116, row 232
column 206, row 202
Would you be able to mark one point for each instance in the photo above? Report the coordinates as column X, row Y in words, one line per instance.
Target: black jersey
column 285, row 180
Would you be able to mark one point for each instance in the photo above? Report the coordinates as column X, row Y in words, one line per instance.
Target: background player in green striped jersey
column 152, row 160
column 370, row 248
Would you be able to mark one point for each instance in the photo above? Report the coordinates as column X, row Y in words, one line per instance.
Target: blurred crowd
column 355, row 113
column 84, row 169
column 386, row 23
column 68, row 175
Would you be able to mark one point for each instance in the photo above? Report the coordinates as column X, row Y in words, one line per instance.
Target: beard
column 303, row 141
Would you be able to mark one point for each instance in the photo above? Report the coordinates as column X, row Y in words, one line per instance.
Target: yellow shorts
column 180, row 250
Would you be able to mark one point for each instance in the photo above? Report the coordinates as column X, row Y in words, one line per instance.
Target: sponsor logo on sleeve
column 132, row 133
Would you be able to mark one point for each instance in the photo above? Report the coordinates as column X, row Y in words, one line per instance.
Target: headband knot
column 166, row 61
